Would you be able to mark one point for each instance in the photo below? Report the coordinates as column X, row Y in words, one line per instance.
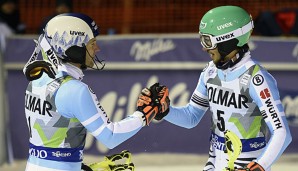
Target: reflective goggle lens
column 206, row 41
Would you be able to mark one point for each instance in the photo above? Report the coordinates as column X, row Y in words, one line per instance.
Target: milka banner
column 118, row 89
column 164, row 48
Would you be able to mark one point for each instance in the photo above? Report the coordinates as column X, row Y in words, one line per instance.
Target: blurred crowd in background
column 272, row 18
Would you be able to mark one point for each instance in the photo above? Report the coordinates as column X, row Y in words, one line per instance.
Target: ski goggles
column 209, row 41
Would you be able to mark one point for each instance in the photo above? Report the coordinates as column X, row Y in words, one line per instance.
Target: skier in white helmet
column 60, row 108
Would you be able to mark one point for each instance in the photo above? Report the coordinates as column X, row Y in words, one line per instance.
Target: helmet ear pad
column 76, row 54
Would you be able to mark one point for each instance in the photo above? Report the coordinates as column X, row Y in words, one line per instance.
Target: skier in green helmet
column 227, row 28
column 242, row 96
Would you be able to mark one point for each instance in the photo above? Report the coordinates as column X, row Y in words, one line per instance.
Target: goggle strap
column 43, row 44
column 47, row 48
column 34, row 54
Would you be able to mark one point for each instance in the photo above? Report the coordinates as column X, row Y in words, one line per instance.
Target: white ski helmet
column 70, row 29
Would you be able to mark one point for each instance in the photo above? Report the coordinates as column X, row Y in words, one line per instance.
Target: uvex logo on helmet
column 79, row 33
column 223, row 26
column 225, row 37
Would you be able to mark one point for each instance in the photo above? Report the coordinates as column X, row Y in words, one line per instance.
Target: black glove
column 162, row 93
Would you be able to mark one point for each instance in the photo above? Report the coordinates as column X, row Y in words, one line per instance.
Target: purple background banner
column 118, row 91
column 166, row 49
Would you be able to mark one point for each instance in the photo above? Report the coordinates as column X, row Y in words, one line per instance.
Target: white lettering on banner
column 38, row 153
column 146, row 50
column 295, row 52
column 290, row 105
column 291, row 110
column 121, row 106
column 252, row 45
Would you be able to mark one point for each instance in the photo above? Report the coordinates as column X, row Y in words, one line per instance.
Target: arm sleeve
column 265, row 93
column 75, row 99
column 190, row 115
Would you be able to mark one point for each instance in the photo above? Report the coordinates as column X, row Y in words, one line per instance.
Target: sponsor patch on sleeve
column 258, row 80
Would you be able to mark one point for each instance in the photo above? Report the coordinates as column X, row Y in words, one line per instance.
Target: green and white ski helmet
column 224, row 23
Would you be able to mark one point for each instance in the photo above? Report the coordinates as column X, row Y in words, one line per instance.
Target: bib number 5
column 220, row 120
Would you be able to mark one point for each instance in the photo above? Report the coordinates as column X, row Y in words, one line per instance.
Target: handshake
column 154, row 102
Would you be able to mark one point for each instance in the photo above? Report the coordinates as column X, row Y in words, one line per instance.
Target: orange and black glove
column 148, row 104
column 154, row 102
column 163, row 98
column 252, row 166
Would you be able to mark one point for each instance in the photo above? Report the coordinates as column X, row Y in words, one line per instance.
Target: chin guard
column 35, row 69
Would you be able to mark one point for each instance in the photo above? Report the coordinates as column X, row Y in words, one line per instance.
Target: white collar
column 72, row 70
column 245, row 58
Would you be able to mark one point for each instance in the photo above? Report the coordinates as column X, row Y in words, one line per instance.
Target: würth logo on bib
column 265, row 93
